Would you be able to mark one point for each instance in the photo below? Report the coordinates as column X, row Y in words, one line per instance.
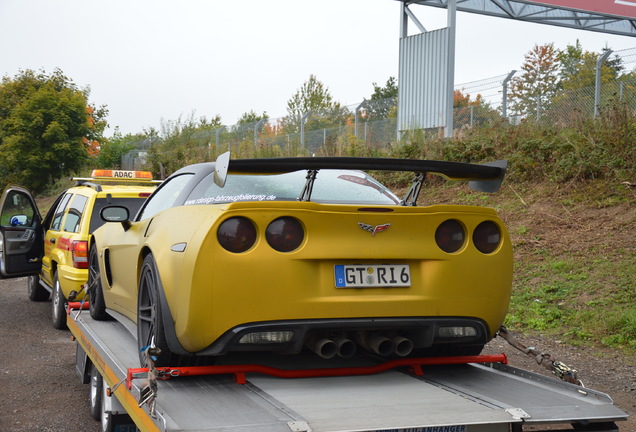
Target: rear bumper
column 72, row 279
column 422, row 331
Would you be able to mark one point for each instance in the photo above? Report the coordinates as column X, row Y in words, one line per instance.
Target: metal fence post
column 256, row 126
column 358, row 108
column 218, row 135
column 504, row 100
column 597, row 83
column 302, row 129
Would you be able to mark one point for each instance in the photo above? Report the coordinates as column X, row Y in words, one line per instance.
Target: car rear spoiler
column 484, row 178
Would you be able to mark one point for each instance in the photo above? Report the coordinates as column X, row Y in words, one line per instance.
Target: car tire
column 150, row 317
column 35, row 291
column 96, row 305
column 58, row 303
column 96, row 393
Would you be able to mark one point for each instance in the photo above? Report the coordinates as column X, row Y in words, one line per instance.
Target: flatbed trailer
column 473, row 397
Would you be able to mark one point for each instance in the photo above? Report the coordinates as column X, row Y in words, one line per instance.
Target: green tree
column 181, row 142
column 113, row 149
column 390, row 90
column 577, row 80
column 472, row 112
column 252, row 117
column 46, row 127
column 578, row 67
column 242, row 133
column 383, row 102
column 315, row 97
column 534, row 88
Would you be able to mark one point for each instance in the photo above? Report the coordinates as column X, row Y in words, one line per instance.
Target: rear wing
column 484, row 178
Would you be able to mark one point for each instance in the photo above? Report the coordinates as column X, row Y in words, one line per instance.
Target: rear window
column 331, row 186
column 59, row 212
column 75, row 211
column 132, row 204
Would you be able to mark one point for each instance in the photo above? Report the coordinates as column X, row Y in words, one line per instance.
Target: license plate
column 372, row 276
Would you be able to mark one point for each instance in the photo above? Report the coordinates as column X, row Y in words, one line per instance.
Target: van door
column 21, row 234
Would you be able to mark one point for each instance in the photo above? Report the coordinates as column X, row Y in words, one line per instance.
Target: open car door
column 21, row 234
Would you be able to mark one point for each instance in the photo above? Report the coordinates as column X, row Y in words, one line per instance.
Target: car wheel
column 35, row 291
column 149, row 315
column 96, row 305
column 58, row 311
column 96, row 393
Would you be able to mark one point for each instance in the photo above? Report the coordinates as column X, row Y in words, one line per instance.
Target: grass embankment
column 575, row 255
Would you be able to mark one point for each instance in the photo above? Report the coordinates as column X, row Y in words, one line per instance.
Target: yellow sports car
column 290, row 254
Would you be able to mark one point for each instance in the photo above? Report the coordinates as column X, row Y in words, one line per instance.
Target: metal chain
column 559, row 369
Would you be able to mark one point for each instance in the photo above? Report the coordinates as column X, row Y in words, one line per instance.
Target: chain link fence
column 368, row 127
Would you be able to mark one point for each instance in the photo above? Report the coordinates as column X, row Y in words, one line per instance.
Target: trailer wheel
column 35, row 291
column 96, row 393
column 58, row 311
column 96, row 305
column 149, row 315
column 106, row 418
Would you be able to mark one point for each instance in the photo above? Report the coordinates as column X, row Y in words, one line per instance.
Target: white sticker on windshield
column 230, row 198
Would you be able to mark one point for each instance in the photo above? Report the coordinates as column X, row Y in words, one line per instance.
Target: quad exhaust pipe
column 376, row 343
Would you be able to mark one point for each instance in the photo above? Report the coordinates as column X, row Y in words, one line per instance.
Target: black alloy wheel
column 150, row 331
column 96, row 305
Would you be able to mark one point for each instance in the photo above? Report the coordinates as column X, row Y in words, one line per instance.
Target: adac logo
column 374, row 229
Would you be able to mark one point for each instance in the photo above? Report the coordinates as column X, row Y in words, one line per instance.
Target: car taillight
column 285, row 234
column 487, row 237
column 450, row 236
column 237, row 234
column 79, row 251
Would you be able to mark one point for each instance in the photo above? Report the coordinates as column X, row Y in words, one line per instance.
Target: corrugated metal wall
column 423, row 78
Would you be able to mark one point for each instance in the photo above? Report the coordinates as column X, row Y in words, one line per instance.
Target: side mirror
column 116, row 214
column 19, row 220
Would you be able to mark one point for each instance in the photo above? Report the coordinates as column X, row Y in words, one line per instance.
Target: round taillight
column 285, row 234
column 450, row 236
column 237, row 234
column 487, row 237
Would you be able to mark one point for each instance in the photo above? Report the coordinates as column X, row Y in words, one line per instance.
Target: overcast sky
column 152, row 60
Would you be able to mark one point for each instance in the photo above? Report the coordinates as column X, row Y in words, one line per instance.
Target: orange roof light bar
column 121, row 174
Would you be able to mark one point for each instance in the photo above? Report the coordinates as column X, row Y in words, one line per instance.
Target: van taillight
column 79, row 251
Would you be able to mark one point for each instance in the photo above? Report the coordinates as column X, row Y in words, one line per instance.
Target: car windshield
column 331, row 186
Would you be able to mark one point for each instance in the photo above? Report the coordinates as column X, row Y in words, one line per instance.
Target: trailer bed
column 471, row 397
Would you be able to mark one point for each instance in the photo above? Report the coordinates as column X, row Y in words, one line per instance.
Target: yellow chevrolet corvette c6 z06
column 293, row 254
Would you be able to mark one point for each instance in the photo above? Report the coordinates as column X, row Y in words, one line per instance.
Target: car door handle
column 52, row 240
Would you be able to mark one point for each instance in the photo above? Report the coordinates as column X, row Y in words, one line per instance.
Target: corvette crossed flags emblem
column 374, row 229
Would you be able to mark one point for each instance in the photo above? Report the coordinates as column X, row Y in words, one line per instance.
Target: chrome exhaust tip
column 346, row 347
column 403, row 346
column 325, row 348
column 377, row 344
